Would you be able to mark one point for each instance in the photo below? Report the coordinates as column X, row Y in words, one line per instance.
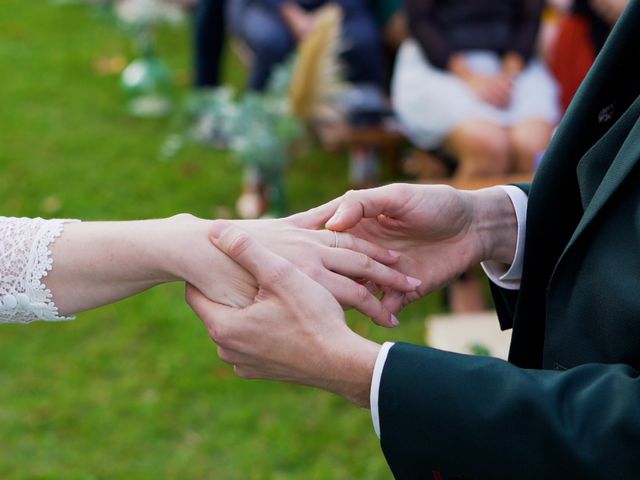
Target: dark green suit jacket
column 567, row 405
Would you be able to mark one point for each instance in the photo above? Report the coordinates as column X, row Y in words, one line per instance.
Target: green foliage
column 257, row 127
column 262, row 131
column 135, row 390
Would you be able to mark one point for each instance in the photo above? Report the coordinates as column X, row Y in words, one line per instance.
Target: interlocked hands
column 293, row 329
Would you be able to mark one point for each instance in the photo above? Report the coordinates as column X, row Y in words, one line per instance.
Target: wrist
column 184, row 245
column 353, row 365
column 495, row 225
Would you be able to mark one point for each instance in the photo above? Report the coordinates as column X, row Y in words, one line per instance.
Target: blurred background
column 135, row 390
column 143, row 109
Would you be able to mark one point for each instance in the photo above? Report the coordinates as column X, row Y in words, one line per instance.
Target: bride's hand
column 101, row 262
column 351, row 268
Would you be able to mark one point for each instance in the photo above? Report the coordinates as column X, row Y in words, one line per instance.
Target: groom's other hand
column 439, row 231
column 294, row 331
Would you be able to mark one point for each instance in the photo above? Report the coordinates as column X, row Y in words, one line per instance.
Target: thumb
column 270, row 270
column 316, row 217
column 213, row 314
column 356, row 205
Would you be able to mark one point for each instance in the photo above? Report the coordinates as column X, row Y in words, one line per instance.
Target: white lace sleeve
column 25, row 259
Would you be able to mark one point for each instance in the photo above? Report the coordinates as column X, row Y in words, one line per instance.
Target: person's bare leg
column 528, row 139
column 481, row 148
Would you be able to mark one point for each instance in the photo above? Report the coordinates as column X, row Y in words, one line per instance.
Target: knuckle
column 225, row 355
column 365, row 261
column 313, row 271
column 350, row 194
column 280, row 272
column 400, row 280
column 394, row 278
column 362, row 294
column 218, row 333
column 378, row 251
column 239, row 244
column 351, row 197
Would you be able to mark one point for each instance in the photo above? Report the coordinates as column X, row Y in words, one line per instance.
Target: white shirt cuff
column 375, row 384
column 506, row 276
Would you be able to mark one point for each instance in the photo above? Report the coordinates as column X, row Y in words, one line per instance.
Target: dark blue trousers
column 271, row 42
column 209, row 33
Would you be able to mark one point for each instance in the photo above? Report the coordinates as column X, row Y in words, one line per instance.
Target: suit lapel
column 555, row 200
column 620, row 168
column 594, row 165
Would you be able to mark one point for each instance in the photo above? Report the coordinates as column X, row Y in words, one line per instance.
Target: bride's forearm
column 96, row 263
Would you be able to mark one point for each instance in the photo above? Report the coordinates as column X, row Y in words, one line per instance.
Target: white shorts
column 431, row 103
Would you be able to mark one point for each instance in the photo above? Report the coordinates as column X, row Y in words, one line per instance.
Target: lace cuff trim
column 25, row 259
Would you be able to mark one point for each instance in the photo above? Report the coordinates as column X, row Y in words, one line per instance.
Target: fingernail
column 414, row 282
column 218, row 229
column 394, row 253
column 335, row 219
column 394, row 321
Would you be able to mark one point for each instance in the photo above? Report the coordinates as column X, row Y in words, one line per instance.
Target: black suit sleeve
column 480, row 417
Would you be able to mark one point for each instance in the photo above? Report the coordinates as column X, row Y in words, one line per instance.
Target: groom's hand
column 440, row 231
column 294, row 331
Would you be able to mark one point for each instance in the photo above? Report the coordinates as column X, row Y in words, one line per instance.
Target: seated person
column 466, row 83
column 272, row 28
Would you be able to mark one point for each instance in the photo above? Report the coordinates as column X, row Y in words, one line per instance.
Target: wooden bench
column 386, row 140
column 390, row 143
column 431, row 169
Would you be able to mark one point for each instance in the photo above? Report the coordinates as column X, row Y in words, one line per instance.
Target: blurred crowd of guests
column 483, row 82
column 477, row 79
column 272, row 28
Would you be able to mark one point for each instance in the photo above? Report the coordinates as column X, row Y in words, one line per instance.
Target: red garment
column 572, row 56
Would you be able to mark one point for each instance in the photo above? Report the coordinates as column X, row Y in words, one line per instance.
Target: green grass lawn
column 135, row 390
